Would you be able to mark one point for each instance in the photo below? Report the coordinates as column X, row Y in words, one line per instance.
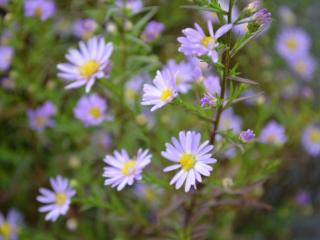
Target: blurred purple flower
column 132, row 5
column 152, row 31
column 230, row 121
column 292, row 43
column 302, row 198
column 310, row 140
column 286, row 15
column 91, row 110
column 273, row 133
column 102, row 140
column 42, row 9
column 197, row 43
column 10, row 225
column 304, row 66
column 56, row 202
column 133, row 87
column 87, row 64
column 212, row 86
column 6, row 53
column 3, row 2
column 40, row 118
column 247, row 136
column 84, row 28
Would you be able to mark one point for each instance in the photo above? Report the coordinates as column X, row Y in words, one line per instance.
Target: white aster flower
column 57, row 202
column 87, row 64
column 191, row 157
column 161, row 92
column 123, row 170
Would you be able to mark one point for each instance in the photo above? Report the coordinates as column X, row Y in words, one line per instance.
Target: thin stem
column 226, row 63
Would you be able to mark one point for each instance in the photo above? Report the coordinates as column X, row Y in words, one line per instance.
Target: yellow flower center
column 271, row 138
column 315, row 136
column 131, row 94
column 187, row 161
column 206, row 40
column 128, row 167
column 38, row 11
column 5, row 230
column 300, row 67
column 40, row 121
column 89, row 68
column 95, row 112
column 61, row 199
column 292, row 44
column 166, row 94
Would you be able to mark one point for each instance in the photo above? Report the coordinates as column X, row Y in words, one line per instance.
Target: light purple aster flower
column 84, row 28
column 91, row 110
column 247, row 136
column 190, row 157
column 304, row 66
column 292, row 43
column 133, row 6
column 87, row 64
column 197, row 43
column 41, row 117
column 3, row 3
column 162, row 92
column 56, row 202
column 42, row 9
column 152, row 31
column 6, row 53
column 302, row 198
column 212, row 86
column 311, row 140
column 230, row 121
column 122, row 170
column 286, row 15
column 10, row 225
column 273, row 133
column 133, row 87
column 198, row 68
column 101, row 140
column 183, row 73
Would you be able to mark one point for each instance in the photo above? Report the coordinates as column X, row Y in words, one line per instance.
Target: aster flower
column 197, row 43
column 311, row 140
column 91, row 110
column 260, row 21
column 3, row 3
column 304, row 66
column 87, row 64
column 161, row 92
column 230, row 121
column 133, row 6
column 212, row 86
column 9, row 226
column 247, row 136
column 286, row 15
column 183, row 73
column 84, row 28
column 56, row 202
column 122, row 170
column 6, row 53
column 42, row 9
column 152, row 31
column 190, row 157
column 133, row 87
column 292, row 43
column 41, row 117
column 273, row 133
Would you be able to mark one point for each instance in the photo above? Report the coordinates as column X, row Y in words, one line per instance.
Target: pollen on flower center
column 38, row 11
column 166, row 94
column 206, row 40
column 300, row 67
column 271, row 138
column 40, row 121
column 128, row 167
column 61, row 199
column 292, row 43
column 95, row 112
column 187, row 161
column 5, row 230
column 89, row 68
column 315, row 136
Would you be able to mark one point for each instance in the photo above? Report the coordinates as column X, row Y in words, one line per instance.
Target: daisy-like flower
column 84, row 28
column 6, row 53
column 87, row 64
column 273, row 133
column 304, row 66
column 56, row 202
column 190, row 157
column 133, row 6
column 197, row 43
column 311, row 140
column 230, row 121
column 122, row 170
column 152, row 31
column 10, row 225
column 41, row 117
column 91, row 110
column 161, row 92
column 42, row 9
column 133, row 87
column 292, row 43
